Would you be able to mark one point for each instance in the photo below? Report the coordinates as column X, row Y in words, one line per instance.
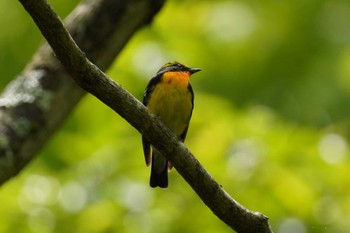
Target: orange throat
column 180, row 79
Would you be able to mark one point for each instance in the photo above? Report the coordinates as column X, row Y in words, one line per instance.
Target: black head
column 176, row 66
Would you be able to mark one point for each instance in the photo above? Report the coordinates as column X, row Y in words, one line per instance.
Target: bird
column 169, row 96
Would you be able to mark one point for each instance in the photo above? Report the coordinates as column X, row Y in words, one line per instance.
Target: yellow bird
column 169, row 96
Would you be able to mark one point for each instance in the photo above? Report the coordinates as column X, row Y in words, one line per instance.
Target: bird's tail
column 159, row 170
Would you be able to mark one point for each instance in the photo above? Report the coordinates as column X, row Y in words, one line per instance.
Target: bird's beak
column 194, row 70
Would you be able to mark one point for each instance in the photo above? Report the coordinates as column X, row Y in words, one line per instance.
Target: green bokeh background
column 271, row 123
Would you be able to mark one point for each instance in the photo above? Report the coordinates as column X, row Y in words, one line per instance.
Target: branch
column 35, row 104
column 93, row 80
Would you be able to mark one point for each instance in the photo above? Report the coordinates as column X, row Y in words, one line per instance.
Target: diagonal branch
column 93, row 80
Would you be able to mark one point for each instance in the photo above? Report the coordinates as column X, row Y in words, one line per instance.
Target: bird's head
column 176, row 67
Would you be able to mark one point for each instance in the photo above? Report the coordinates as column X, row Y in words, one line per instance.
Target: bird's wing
column 149, row 89
column 184, row 133
column 146, row 96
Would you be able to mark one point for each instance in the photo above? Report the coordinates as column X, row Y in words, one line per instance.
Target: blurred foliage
column 271, row 123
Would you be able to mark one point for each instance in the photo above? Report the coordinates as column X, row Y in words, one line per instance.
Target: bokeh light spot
column 229, row 21
column 136, row 197
column 332, row 148
column 147, row 59
column 245, row 155
column 292, row 225
column 38, row 190
column 72, row 197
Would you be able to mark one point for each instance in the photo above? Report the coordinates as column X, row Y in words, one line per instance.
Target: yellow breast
column 171, row 100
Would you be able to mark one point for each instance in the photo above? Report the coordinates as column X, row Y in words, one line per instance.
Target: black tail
column 159, row 176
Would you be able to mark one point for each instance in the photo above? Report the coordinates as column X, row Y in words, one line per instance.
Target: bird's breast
column 171, row 100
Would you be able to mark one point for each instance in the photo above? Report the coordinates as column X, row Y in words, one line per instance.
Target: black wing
column 146, row 95
column 184, row 133
column 150, row 87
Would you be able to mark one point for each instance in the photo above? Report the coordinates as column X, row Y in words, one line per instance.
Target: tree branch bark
column 34, row 105
column 93, row 80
